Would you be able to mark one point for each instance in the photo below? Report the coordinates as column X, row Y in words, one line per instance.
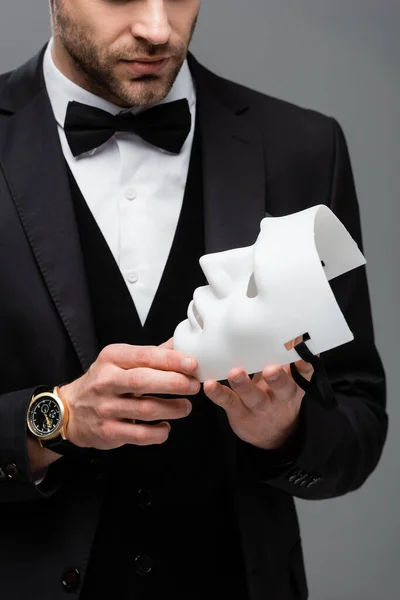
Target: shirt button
column 143, row 564
column 130, row 194
column 132, row 277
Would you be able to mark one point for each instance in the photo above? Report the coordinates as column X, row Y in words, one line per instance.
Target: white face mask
column 261, row 297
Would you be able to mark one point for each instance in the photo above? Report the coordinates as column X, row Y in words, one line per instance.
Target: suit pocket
column 297, row 572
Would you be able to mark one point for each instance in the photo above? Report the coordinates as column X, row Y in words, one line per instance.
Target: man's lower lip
column 147, row 68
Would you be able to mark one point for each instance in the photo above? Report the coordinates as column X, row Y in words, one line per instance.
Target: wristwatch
column 47, row 420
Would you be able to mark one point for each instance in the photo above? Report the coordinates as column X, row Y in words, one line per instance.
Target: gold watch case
column 60, row 430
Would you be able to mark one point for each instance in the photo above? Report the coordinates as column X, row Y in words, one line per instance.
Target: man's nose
column 152, row 24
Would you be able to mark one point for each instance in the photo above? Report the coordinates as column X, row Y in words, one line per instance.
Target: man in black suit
column 122, row 161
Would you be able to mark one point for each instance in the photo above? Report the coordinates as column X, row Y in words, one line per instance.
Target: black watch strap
column 63, row 447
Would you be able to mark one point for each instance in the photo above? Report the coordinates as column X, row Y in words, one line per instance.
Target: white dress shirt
column 134, row 190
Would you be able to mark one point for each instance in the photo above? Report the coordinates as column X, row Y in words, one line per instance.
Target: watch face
column 45, row 416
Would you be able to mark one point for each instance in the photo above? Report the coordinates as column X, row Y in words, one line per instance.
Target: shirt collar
column 62, row 90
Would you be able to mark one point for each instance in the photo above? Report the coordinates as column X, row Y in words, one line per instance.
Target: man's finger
column 250, row 394
column 141, row 381
column 305, row 369
column 135, row 433
column 221, row 395
column 147, row 408
column 127, row 357
column 279, row 382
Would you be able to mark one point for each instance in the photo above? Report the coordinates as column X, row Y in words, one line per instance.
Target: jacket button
column 144, row 498
column 3, row 476
column 294, row 475
column 143, row 564
column 313, row 481
column 306, row 481
column 12, row 471
column 71, row 579
column 301, row 478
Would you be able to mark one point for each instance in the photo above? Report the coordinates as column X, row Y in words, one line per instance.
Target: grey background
column 340, row 57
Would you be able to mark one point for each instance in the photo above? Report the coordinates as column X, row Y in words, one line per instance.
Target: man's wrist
column 287, row 439
column 40, row 458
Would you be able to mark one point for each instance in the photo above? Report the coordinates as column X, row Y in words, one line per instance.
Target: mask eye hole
column 252, row 291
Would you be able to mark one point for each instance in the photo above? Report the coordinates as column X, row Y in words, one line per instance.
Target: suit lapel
column 34, row 167
column 234, row 181
column 233, row 163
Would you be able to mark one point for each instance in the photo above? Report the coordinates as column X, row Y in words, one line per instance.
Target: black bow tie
column 165, row 126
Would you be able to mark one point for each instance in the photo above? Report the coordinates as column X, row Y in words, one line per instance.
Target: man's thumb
column 169, row 344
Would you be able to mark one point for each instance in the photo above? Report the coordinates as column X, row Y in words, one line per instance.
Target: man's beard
column 96, row 67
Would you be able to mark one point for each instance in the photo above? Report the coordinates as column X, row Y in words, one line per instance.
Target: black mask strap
column 319, row 388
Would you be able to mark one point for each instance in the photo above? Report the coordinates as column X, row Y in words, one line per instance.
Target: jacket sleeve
column 334, row 451
column 16, row 480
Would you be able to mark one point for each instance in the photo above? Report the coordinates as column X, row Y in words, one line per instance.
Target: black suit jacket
column 261, row 155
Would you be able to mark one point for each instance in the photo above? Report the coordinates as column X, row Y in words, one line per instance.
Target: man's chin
column 143, row 92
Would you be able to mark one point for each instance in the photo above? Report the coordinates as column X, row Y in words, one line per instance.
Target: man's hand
column 117, row 390
column 262, row 411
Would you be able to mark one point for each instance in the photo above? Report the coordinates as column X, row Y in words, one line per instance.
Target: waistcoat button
column 71, row 579
column 144, row 498
column 143, row 564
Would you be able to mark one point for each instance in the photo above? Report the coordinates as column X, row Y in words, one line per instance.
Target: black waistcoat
column 167, row 528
